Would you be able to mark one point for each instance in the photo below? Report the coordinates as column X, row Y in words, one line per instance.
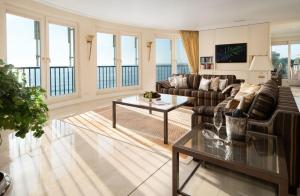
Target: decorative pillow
column 249, row 88
column 181, row 82
column 232, row 104
column 165, row 84
column 229, row 87
column 234, row 91
column 214, row 84
column 222, row 84
column 245, row 100
column 204, row 84
column 172, row 81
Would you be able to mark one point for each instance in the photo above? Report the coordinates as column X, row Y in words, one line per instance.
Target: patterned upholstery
column 193, row 80
column 278, row 106
column 204, row 110
column 264, row 102
column 206, row 98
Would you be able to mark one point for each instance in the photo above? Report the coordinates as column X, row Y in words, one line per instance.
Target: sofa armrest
column 239, row 81
column 158, row 86
column 162, row 84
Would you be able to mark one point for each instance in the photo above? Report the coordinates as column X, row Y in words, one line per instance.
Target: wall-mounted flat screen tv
column 231, row 53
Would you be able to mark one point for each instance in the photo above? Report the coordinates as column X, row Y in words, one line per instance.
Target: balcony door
column 117, row 61
column 129, row 59
column 61, row 41
column 295, row 61
column 163, row 58
column 170, row 57
column 280, row 56
column 181, row 58
column 24, row 47
column 106, row 61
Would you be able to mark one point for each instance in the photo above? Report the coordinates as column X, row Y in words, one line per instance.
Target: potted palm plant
column 22, row 109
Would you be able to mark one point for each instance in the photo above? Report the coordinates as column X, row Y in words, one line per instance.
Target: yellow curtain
column 190, row 40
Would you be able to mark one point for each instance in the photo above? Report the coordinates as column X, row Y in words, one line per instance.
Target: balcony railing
column 106, row 77
column 62, row 80
column 130, row 75
column 163, row 72
column 31, row 74
column 183, row 69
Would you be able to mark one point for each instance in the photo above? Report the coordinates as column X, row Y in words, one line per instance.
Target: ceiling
column 183, row 14
column 285, row 29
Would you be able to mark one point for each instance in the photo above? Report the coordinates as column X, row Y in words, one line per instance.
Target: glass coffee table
column 165, row 104
column 260, row 156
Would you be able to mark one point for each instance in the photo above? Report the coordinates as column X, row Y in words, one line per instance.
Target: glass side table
column 260, row 156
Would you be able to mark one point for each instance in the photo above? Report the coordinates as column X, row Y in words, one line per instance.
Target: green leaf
column 22, row 108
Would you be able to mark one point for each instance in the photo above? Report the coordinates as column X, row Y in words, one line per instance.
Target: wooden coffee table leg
column 114, row 115
column 165, row 127
column 175, row 172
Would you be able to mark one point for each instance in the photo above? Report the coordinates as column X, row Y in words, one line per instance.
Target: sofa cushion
column 185, row 92
column 204, row 110
column 264, row 102
column 208, row 94
column 221, row 107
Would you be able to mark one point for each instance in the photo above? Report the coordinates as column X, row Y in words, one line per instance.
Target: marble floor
column 75, row 160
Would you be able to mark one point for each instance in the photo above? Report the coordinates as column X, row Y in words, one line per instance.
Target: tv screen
column 231, row 53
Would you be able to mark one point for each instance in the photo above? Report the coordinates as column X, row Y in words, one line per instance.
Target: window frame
column 118, row 59
column 139, row 56
column 288, row 43
column 173, row 37
column 67, row 23
column 41, row 20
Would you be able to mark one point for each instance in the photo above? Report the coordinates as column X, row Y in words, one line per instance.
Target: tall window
column 106, row 64
column 62, row 59
column 181, row 58
column 24, row 47
column 130, row 68
column 280, row 59
column 295, row 61
column 163, row 59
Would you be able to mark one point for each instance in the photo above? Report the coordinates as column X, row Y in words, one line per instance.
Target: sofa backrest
column 193, row 80
column 231, row 78
column 264, row 102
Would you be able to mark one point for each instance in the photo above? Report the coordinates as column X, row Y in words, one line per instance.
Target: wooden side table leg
column 175, row 172
column 114, row 115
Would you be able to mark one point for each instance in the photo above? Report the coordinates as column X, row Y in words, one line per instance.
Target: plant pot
column 5, row 182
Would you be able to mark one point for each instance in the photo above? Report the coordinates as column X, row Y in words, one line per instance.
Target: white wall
column 86, row 81
column 256, row 36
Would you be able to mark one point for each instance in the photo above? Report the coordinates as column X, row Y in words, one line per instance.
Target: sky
column 106, row 50
column 164, row 51
column 283, row 50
